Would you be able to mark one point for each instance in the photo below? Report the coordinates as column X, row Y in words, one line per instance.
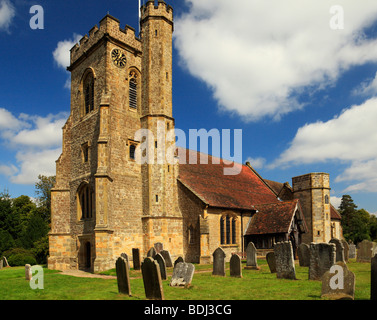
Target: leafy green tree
column 6, row 241
column 43, row 192
column 36, row 229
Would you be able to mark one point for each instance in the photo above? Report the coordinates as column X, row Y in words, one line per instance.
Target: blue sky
column 299, row 79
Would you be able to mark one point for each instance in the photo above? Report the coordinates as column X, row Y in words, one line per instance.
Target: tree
column 43, row 192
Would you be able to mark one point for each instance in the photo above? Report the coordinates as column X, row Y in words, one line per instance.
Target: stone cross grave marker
column 161, row 262
column 182, row 275
column 152, row 279
column 338, row 283
column 166, row 255
column 251, row 257
column 322, row 258
column 285, row 263
column 136, row 258
column 235, row 266
column 123, row 276
column 339, row 250
column 219, row 262
column 303, row 253
column 271, row 261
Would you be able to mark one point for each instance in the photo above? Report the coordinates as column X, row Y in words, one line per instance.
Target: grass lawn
column 255, row 285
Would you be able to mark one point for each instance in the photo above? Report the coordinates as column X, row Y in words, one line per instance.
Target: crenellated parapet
column 161, row 10
column 109, row 27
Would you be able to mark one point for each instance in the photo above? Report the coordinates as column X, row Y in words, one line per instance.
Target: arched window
column 327, row 199
column 85, row 204
column 88, row 89
column 228, row 230
column 132, row 152
column 132, row 91
column 191, row 236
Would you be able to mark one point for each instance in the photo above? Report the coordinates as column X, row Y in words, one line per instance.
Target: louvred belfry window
column 89, row 93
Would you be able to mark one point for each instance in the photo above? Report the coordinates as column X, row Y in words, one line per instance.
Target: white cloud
column 350, row 138
column 36, row 141
column 335, row 201
column 255, row 55
column 62, row 52
column 256, row 163
column 367, row 88
column 7, row 13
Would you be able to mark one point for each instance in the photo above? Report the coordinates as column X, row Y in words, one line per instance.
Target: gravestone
column 152, row 279
column 161, row 262
column 346, row 249
column 123, row 276
column 338, row 283
column 251, row 257
column 1, row 264
column 339, row 249
column 235, row 266
column 166, row 255
column 271, row 261
column 158, row 247
column 364, row 251
column 303, row 253
column 182, row 275
column 285, row 263
column 373, row 278
column 322, row 258
column 125, row 256
column 352, row 251
column 5, row 264
column 28, row 273
column 219, row 262
column 151, row 253
column 136, row 258
column 178, row 260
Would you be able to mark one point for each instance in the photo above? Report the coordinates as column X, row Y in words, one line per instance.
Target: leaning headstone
column 6, row 264
column 322, row 258
column 151, row 253
column 346, row 249
column 303, row 253
column 364, row 251
column 28, row 273
column 123, row 276
column 1, row 264
column 339, row 250
column 136, row 258
column 125, row 256
column 166, row 255
column 352, row 251
column 161, row 262
column 235, row 266
column 219, row 262
column 158, row 247
column 251, row 257
column 338, row 283
column 373, row 278
column 271, row 261
column 182, row 275
column 285, row 263
column 178, row 260
column 152, row 279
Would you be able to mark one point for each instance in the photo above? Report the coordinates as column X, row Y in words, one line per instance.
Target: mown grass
column 254, row 285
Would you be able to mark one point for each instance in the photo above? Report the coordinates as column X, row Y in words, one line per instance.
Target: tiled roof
column 335, row 215
column 274, row 218
column 208, row 182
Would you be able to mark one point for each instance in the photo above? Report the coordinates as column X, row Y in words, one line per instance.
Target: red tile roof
column 274, row 218
column 335, row 215
column 208, row 182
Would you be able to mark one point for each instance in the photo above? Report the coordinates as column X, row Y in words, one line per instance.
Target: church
column 105, row 202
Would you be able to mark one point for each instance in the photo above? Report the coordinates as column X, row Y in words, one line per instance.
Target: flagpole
column 139, row 15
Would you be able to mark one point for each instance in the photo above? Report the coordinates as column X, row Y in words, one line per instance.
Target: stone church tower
column 104, row 202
